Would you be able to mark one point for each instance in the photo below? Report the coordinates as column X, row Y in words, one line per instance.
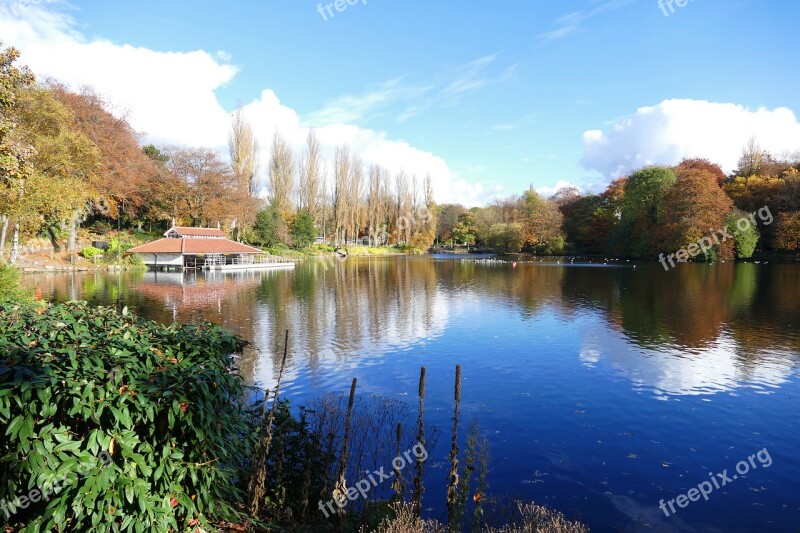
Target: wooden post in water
column 419, row 488
column 340, row 491
column 452, row 486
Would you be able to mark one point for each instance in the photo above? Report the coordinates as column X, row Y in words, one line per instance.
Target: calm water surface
column 601, row 388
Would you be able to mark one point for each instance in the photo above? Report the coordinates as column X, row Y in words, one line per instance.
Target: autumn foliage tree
column 66, row 163
column 787, row 237
column 126, row 171
column 702, row 165
column 541, row 219
column 204, row 189
column 693, row 208
column 15, row 164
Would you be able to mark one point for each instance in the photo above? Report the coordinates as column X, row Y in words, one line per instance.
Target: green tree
column 448, row 218
column 465, row 231
column 302, row 229
column 745, row 239
column 507, row 237
column 643, row 207
column 579, row 217
column 267, row 226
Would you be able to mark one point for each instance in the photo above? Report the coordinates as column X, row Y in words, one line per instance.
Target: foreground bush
column 114, row 423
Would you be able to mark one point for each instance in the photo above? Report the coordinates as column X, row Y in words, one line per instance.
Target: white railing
column 244, row 259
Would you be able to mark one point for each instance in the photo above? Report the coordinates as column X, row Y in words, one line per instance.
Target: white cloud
column 674, row 129
column 170, row 96
column 560, row 184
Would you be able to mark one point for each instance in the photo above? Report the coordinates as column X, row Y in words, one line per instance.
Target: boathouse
column 202, row 248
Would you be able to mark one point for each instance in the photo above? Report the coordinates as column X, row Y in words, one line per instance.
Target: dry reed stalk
column 256, row 487
column 397, row 485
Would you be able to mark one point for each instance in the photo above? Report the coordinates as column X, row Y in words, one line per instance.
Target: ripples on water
column 601, row 387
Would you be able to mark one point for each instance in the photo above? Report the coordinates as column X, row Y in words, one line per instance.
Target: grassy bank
column 322, row 250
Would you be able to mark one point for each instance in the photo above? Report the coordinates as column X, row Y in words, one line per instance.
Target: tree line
column 69, row 160
column 654, row 210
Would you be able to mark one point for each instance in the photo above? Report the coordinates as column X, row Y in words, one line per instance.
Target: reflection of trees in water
column 690, row 305
column 530, row 287
column 365, row 306
column 772, row 317
column 354, row 308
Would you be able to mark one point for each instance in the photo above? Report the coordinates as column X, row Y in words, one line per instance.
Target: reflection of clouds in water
column 407, row 321
column 671, row 371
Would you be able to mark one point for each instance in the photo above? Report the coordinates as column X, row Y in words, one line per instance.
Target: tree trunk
column 3, row 234
column 15, row 245
column 73, row 233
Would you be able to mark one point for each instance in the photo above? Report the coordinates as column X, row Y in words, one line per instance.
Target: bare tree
column 281, row 174
column 244, row 152
column 414, row 194
column 751, row 159
column 402, row 205
column 355, row 189
column 376, row 204
column 341, row 198
column 432, row 218
column 311, row 176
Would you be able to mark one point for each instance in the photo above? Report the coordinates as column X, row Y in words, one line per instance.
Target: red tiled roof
column 199, row 232
column 194, row 246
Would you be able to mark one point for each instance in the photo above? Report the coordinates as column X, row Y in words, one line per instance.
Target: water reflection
column 697, row 329
column 564, row 367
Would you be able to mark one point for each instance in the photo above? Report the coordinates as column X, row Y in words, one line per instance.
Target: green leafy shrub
column 116, row 251
column 135, row 260
column 11, row 290
column 162, row 402
column 90, row 252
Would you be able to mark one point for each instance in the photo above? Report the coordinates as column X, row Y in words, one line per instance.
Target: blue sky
column 500, row 94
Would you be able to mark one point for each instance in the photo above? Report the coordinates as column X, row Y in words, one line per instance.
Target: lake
column 602, row 388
